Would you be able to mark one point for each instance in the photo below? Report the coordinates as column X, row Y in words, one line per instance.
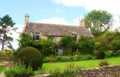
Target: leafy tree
column 98, row 21
column 86, row 45
column 6, row 25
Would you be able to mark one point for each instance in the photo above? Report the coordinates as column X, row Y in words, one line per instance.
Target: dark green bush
column 108, row 54
column 116, row 53
column 99, row 54
column 86, row 45
column 30, row 57
column 87, row 57
column 103, row 63
column 19, row 71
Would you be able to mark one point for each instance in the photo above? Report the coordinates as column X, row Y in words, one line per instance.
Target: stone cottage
column 56, row 31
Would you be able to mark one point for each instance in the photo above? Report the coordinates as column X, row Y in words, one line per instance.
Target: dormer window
column 36, row 35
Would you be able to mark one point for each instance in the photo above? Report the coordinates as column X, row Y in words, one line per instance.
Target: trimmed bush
column 30, row 57
column 103, row 63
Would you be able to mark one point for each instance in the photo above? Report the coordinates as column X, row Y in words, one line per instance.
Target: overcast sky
column 55, row 11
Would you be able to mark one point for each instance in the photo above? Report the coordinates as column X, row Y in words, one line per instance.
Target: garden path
column 2, row 73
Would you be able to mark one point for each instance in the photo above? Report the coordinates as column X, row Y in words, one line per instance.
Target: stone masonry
column 107, row 71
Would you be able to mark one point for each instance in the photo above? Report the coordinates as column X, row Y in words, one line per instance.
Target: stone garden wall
column 108, row 71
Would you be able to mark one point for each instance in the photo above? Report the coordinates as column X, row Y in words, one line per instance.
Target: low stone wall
column 108, row 71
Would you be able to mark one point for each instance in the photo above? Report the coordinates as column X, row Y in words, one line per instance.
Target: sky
column 55, row 11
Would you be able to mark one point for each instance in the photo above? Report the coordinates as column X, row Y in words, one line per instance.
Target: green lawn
column 47, row 67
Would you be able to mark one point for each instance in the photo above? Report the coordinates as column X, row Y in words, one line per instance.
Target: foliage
column 116, row 53
column 48, row 47
column 67, row 58
column 110, row 41
column 103, row 63
column 68, row 43
column 87, row 57
column 30, row 57
column 71, row 71
column 99, row 54
column 19, row 71
column 2, row 68
column 25, row 40
column 115, row 45
column 86, row 45
column 108, row 54
column 7, row 54
column 98, row 21
column 6, row 26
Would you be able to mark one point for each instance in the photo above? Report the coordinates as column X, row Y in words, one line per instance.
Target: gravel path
column 2, row 74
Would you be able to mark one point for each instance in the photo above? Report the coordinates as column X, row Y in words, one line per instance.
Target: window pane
column 36, row 36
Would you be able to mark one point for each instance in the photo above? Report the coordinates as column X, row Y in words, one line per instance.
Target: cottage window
column 54, row 39
column 36, row 36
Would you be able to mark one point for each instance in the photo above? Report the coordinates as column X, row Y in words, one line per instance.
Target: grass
column 47, row 67
column 2, row 68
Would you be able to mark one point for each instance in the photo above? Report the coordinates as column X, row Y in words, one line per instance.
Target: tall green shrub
column 30, row 57
column 48, row 47
column 68, row 44
column 86, row 45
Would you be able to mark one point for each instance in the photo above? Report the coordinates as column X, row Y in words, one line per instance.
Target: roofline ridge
column 55, row 24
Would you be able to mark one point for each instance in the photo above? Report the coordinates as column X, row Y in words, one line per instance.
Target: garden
column 38, row 57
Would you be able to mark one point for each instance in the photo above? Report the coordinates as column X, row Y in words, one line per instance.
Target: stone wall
column 108, row 71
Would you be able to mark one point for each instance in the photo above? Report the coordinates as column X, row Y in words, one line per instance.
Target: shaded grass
column 60, row 66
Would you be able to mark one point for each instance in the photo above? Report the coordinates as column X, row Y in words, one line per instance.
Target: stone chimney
column 82, row 22
column 26, row 18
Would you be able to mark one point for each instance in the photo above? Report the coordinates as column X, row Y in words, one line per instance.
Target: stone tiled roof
column 56, row 29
